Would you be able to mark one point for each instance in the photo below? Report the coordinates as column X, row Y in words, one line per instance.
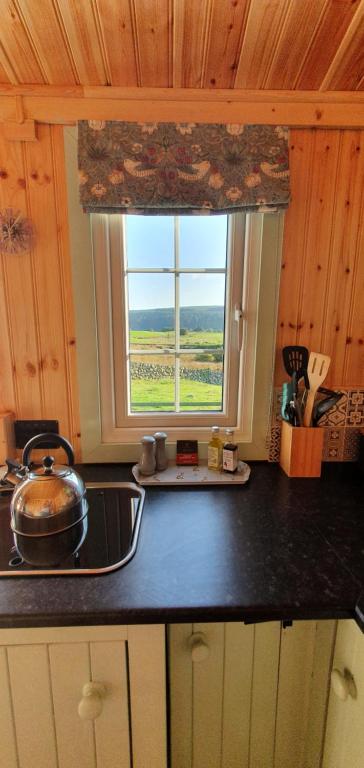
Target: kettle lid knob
column 48, row 462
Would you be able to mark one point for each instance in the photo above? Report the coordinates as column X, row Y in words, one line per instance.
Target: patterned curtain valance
column 182, row 168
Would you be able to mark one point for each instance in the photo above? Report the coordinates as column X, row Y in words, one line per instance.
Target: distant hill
column 192, row 318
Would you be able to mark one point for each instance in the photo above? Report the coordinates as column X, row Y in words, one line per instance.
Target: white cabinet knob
column 90, row 706
column 343, row 684
column 200, row 650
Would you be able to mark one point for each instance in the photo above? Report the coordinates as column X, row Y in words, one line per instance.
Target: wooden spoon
column 318, row 366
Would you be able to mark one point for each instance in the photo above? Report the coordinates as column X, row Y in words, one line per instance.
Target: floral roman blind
column 181, row 168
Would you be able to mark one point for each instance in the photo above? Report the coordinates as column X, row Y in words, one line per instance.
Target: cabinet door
column 248, row 696
column 304, row 673
column 222, row 698
column 43, row 674
column 344, row 743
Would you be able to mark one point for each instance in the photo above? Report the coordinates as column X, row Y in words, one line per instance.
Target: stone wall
column 153, row 371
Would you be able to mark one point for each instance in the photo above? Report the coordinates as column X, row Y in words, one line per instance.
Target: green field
column 165, row 339
column 159, row 395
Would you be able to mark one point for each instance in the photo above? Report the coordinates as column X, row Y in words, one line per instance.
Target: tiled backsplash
column 342, row 425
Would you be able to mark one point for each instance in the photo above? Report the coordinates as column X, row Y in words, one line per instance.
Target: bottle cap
column 215, row 429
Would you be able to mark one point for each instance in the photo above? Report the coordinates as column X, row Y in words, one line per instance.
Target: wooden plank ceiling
column 246, row 44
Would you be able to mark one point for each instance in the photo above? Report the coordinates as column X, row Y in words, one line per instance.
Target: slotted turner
column 295, row 359
column 318, row 366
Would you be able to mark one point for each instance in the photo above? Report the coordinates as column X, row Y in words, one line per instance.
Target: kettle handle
column 44, row 438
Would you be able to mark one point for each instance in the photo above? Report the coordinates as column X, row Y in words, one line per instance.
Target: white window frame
column 117, row 425
column 260, row 301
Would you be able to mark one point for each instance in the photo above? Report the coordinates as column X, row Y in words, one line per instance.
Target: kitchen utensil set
column 300, row 409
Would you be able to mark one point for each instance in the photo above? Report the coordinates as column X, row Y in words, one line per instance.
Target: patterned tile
column 336, row 416
column 351, row 444
column 277, row 404
column 275, row 443
column 333, row 444
column 355, row 413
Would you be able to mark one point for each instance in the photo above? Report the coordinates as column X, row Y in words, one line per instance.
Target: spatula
column 295, row 358
column 318, row 366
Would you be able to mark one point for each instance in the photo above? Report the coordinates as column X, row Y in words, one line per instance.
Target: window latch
column 239, row 317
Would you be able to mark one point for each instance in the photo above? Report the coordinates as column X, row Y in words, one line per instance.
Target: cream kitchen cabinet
column 249, row 696
column 92, row 697
column 344, row 742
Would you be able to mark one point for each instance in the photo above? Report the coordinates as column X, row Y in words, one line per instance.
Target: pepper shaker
column 147, row 461
column 160, row 451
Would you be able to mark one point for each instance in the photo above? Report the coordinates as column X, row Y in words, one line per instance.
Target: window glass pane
column 202, row 312
column 149, row 241
column 201, row 382
column 151, row 311
column 152, row 383
column 202, row 241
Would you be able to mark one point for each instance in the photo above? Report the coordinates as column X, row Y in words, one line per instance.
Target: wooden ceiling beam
column 66, row 105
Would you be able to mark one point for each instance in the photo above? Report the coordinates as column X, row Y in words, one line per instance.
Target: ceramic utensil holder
column 301, row 450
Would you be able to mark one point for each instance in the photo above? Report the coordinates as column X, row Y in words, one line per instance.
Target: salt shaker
column 160, row 451
column 147, row 461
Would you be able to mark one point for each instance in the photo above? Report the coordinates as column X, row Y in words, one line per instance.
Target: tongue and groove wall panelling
column 116, row 25
column 343, row 72
column 20, row 291
column 153, row 36
column 20, row 58
column 335, row 26
column 54, row 291
column 37, row 340
column 347, row 262
column 4, row 66
column 224, row 37
column 70, row 379
column 297, row 28
column 323, row 254
column 316, row 265
column 84, row 39
column 192, row 23
column 45, row 32
column 316, row 44
column 295, row 225
column 260, row 36
column 354, row 358
column 7, row 389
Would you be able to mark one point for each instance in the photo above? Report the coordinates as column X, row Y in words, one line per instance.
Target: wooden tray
column 199, row 475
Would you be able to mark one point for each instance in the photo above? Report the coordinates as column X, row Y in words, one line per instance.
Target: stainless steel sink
column 114, row 517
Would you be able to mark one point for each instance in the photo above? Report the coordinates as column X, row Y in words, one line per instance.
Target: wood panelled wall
column 37, row 337
column 322, row 286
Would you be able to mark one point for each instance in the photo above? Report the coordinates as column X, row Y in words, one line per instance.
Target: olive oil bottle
column 214, row 451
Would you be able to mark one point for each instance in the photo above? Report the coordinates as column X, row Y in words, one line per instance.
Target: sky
column 150, row 243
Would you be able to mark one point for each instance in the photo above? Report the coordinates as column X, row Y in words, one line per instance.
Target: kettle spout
column 15, row 474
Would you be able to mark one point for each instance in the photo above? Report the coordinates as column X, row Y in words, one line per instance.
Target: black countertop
column 275, row 548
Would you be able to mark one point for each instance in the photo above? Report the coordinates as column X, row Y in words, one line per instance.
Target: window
column 170, row 300
column 176, row 310
column 111, row 427
column 173, row 298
